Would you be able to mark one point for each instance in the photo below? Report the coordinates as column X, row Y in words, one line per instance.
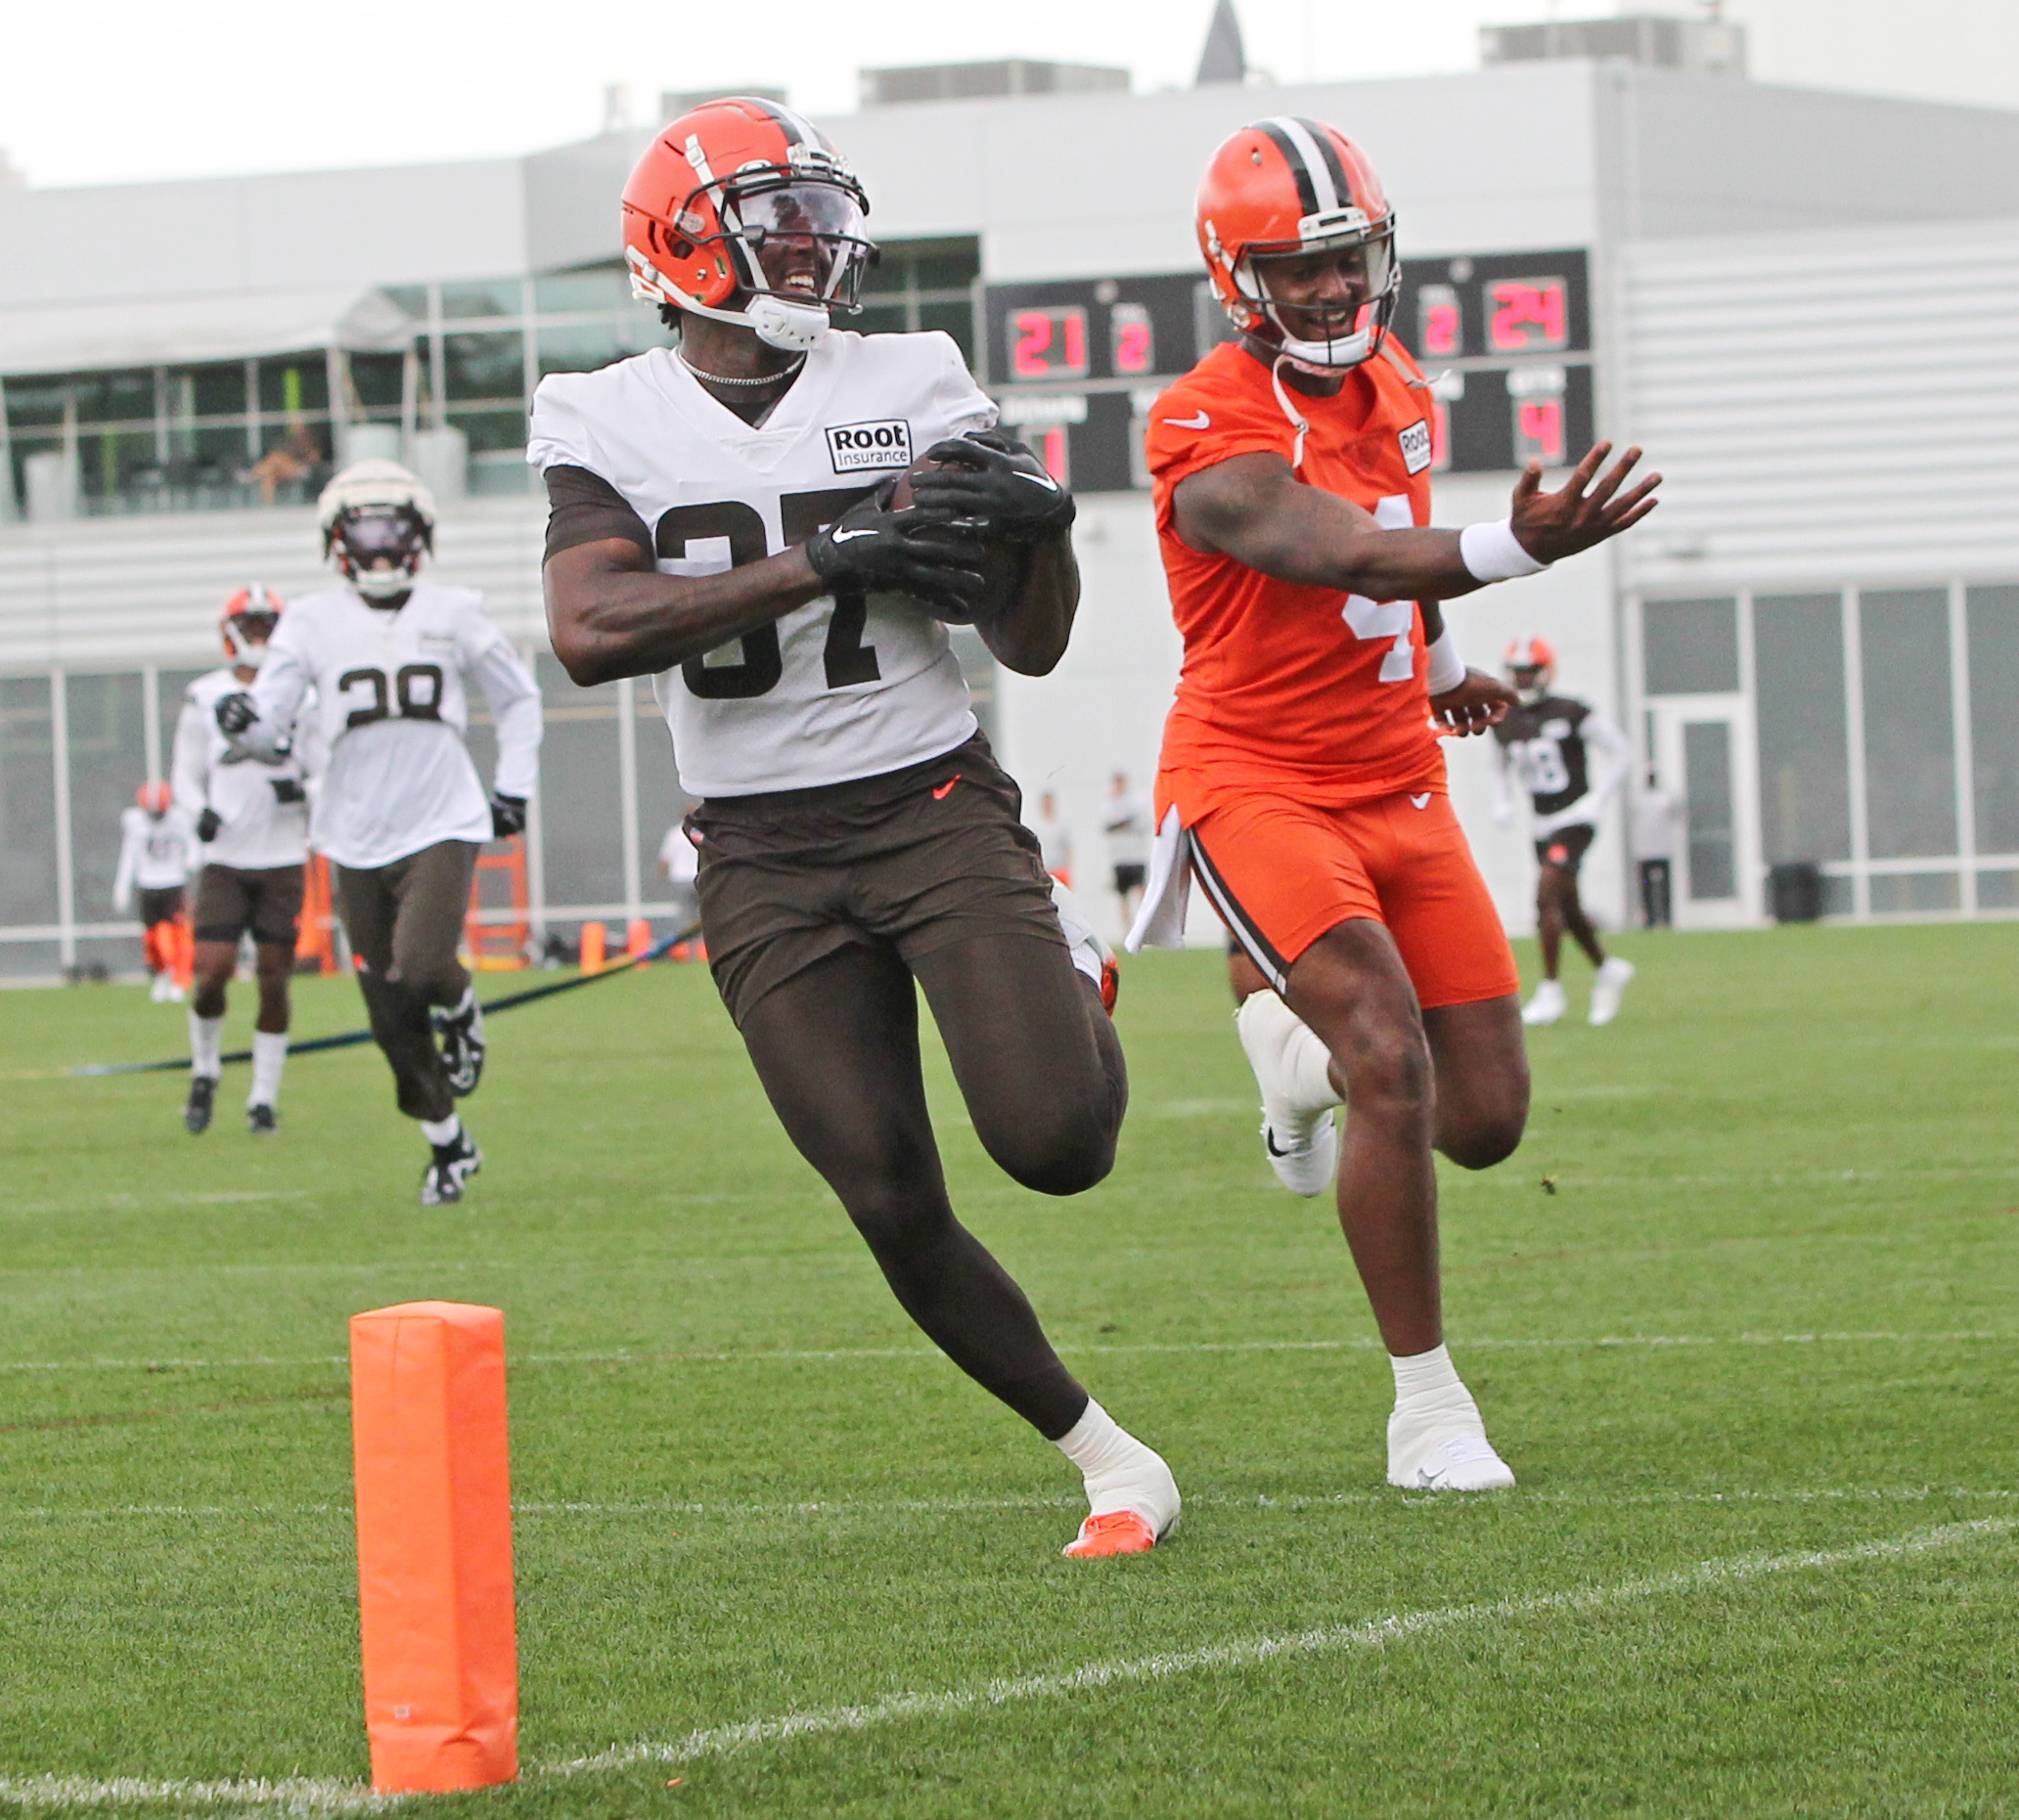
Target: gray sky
column 208, row 87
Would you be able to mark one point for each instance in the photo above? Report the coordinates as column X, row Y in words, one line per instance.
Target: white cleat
column 1090, row 953
column 1613, row 974
column 1548, row 1005
column 1445, row 1457
column 1302, row 1141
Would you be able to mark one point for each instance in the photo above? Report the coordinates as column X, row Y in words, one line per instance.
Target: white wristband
column 1493, row 552
column 1447, row 667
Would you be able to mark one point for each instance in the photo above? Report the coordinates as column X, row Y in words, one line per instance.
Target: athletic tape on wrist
column 1447, row 667
column 1493, row 552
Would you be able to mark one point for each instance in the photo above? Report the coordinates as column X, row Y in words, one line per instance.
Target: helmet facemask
column 1530, row 682
column 245, row 636
column 379, row 550
column 1329, row 296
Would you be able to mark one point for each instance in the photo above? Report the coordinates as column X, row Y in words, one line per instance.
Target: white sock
column 269, row 1058
column 1305, row 1068
column 442, row 1130
column 1120, row 1472
column 1429, row 1389
column 205, row 1047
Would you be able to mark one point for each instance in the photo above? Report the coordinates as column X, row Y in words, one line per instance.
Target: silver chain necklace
column 723, row 378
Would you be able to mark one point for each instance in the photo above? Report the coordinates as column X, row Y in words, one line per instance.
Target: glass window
column 605, row 286
column 581, row 818
column 660, row 800
column 484, row 366
column 580, row 347
column 123, row 397
column 208, row 391
column 27, row 804
column 957, row 319
column 1910, row 731
column 1998, row 891
column 412, row 299
column 878, row 319
column 1897, row 893
column 34, row 402
column 1993, row 621
column 30, row 960
column 377, row 381
column 491, row 296
column 933, row 265
column 1798, row 678
column 1690, row 647
column 491, row 430
column 296, row 385
column 107, row 765
column 1707, row 793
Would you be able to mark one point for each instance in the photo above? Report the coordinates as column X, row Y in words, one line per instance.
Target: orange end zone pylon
column 434, row 1546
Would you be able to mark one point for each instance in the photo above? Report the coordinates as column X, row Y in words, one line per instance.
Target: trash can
column 1795, row 891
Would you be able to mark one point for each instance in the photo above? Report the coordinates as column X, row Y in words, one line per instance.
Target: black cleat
column 196, row 1112
column 461, row 1034
column 441, row 1182
column 261, row 1121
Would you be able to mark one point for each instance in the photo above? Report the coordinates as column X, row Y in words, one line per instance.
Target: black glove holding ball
column 878, row 546
column 234, row 713
column 994, row 482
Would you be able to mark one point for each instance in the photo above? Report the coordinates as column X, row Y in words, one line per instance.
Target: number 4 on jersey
column 1387, row 619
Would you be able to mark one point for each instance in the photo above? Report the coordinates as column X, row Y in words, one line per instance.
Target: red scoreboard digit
column 1440, row 329
column 1133, row 342
column 1049, row 343
column 1527, row 315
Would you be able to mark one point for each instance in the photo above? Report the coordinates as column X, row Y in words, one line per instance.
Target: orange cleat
column 1114, row 1533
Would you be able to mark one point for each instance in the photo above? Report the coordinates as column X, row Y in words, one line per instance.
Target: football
column 1000, row 562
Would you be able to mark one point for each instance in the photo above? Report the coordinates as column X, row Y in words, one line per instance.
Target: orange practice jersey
column 1290, row 689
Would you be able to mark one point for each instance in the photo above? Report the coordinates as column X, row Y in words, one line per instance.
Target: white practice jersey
column 259, row 829
column 156, row 852
column 831, row 690
column 391, row 694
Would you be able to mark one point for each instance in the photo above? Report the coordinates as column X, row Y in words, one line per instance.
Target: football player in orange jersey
column 1302, row 781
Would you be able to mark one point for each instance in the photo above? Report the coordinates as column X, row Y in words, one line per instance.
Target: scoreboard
column 1505, row 339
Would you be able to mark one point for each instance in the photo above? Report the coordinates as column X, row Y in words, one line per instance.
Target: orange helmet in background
column 1536, row 659
column 717, row 186
column 155, row 798
column 1287, row 186
column 247, row 621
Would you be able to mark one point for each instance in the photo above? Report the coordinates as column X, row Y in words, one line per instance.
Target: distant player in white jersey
column 252, row 815
column 724, row 521
column 158, row 846
column 399, row 810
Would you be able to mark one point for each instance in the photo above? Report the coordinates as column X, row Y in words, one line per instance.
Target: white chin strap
column 776, row 321
column 247, row 656
column 1323, row 357
column 382, row 584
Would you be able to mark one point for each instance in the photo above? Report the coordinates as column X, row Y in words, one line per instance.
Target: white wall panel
column 1826, row 406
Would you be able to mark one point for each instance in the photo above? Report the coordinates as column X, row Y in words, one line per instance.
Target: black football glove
column 234, row 713
column 508, row 815
column 288, row 790
column 905, row 552
column 207, row 824
column 988, row 479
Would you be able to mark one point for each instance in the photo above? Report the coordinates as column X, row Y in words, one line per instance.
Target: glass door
column 1701, row 751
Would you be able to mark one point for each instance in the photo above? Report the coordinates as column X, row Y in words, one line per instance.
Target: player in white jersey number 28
column 400, row 812
column 722, row 521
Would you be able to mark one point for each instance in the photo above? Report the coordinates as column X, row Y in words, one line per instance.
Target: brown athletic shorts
column 231, row 900
column 915, row 858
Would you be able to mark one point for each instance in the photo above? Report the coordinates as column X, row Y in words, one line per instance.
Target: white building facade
column 1800, row 303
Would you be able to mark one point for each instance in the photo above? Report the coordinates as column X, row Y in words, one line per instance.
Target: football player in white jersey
column 399, row 811
column 722, row 522
column 252, row 815
column 156, row 845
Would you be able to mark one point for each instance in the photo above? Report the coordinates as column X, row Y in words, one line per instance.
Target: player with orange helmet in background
column 858, row 841
column 1302, row 781
column 252, row 814
column 156, row 845
column 1549, row 742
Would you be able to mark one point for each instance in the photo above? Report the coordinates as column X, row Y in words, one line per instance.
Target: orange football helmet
column 1286, row 188
column 743, row 210
column 1531, row 666
column 155, row 798
column 247, row 621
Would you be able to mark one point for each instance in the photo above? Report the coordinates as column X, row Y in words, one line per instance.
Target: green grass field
column 1742, row 1313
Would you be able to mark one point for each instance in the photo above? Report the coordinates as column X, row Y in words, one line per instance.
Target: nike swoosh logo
column 1269, row 1144
column 842, row 536
column 1037, row 481
column 1202, row 422
column 1421, row 802
column 945, row 789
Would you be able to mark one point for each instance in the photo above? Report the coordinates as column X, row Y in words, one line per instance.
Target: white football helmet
column 377, row 524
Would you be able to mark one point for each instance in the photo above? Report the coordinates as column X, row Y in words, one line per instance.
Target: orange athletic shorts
column 1281, row 873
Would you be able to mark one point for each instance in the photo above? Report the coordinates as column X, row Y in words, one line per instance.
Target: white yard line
column 842, row 1354
column 318, row 1796
column 1328, row 1640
